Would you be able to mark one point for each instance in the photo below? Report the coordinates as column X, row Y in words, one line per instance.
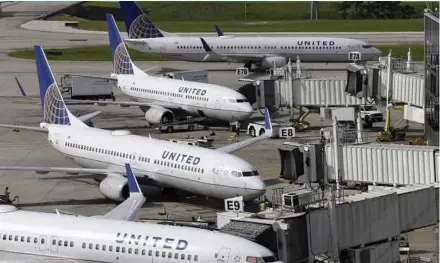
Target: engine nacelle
column 267, row 63
column 158, row 115
column 115, row 188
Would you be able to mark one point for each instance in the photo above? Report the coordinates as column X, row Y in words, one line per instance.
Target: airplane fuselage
column 309, row 49
column 104, row 240
column 194, row 98
column 194, row 169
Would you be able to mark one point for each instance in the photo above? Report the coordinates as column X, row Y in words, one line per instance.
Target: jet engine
column 267, row 63
column 115, row 187
column 158, row 115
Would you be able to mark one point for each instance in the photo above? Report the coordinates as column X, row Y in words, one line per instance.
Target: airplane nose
column 377, row 53
column 255, row 188
column 247, row 111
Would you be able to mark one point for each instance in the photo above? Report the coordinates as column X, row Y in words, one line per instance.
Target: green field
column 235, row 10
column 289, row 16
column 270, row 26
column 102, row 53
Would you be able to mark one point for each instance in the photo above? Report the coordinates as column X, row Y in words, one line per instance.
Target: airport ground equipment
column 86, row 88
column 256, row 129
column 190, row 75
column 308, row 223
column 180, row 127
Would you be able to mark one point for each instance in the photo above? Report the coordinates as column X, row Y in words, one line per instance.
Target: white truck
column 370, row 115
column 255, row 129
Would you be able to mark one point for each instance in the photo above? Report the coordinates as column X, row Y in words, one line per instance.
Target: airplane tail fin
column 122, row 64
column 137, row 23
column 219, row 31
column 54, row 108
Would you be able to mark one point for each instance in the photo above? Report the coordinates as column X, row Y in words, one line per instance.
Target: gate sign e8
column 235, row 204
column 241, row 71
column 354, row 56
column 287, row 132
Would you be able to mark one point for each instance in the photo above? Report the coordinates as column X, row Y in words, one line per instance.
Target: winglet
column 267, row 123
column 219, row 31
column 133, row 185
column 20, row 87
column 205, row 45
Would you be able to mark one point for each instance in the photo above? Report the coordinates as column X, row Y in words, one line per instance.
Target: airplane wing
column 240, row 145
column 128, row 209
column 229, row 57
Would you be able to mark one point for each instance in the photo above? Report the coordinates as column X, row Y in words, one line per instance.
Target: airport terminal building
column 431, row 78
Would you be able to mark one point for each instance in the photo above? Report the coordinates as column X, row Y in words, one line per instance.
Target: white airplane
column 162, row 98
column 264, row 52
column 113, row 237
column 207, row 172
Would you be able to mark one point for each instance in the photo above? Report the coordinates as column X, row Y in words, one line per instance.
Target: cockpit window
column 255, row 172
column 367, row 46
column 242, row 100
column 231, row 101
column 246, row 174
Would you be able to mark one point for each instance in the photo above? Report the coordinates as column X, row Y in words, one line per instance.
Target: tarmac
column 47, row 192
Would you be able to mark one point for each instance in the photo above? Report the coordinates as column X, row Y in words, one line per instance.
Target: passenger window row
column 166, row 93
column 191, row 97
column 99, row 150
column 179, row 166
column 34, row 240
column 311, row 47
column 137, row 251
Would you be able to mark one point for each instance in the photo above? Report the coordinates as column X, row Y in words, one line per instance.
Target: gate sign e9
column 287, row 132
column 241, row 71
column 354, row 56
column 235, row 204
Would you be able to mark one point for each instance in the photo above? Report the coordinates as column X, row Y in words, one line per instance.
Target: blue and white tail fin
column 219, row 31
column 54, row 108
column 122, row 64
column 137, row 23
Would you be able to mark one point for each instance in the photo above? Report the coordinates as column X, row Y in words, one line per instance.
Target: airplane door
column 217, row 172
column 223, row 255
column 42, row 243
column 218, row 103
column 53, row 244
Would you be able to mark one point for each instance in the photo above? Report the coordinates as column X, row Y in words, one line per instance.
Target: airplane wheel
column 261, row 132
column 170, row 129
column 191, row 128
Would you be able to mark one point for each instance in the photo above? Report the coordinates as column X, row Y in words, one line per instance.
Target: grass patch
column 235, row 11
column 269, row 26
column 102, row 53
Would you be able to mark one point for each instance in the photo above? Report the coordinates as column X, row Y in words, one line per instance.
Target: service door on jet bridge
column 223, row 255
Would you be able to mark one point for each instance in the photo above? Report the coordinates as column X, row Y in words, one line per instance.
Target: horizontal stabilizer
column 88, row 116
column 30, row 128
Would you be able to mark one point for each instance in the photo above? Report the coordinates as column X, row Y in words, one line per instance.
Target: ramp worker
column 7, row 194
